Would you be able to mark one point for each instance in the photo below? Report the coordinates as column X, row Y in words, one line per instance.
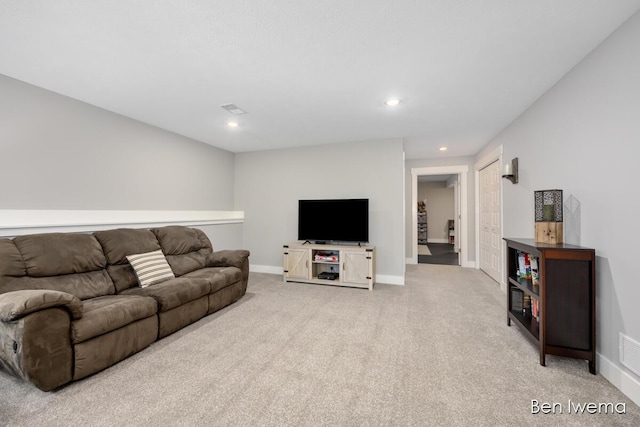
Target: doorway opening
column 460, row 211
column 437, row 203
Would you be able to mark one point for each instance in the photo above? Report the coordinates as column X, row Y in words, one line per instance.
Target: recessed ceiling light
column 232, row 124
column 443, row 148
column 392, row 102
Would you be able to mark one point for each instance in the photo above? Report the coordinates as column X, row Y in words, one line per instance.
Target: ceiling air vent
column 233, row 109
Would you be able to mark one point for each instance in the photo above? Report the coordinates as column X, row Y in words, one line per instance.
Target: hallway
column 441, row 253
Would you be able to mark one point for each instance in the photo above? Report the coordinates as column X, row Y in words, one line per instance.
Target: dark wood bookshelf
column 565, row 293
column 528, row 324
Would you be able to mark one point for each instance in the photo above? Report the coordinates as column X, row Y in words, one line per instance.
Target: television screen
column 336, row 220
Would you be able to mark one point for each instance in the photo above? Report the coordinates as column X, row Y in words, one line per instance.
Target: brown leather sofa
column 71, row 305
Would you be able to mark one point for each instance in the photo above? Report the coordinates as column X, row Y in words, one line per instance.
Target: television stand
column 327, row 264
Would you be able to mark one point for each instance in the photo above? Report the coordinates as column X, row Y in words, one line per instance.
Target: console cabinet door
column 356, row 267
column 296, row 263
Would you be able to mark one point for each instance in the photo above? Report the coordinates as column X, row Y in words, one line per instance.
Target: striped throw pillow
column 150, row 268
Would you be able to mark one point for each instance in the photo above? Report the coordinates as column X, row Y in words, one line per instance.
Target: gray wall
column 270, row 183
column 224, row 236
column 583, row 137
column 60, row 153
column 440, row 209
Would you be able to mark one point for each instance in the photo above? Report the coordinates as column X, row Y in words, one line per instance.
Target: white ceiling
column 308, row 72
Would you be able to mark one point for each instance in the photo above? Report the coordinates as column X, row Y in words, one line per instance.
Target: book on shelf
column 526, row 306
column 521, row 266
column 528, row 267
column 517, row 297
column 535, row 309
column 535, row 275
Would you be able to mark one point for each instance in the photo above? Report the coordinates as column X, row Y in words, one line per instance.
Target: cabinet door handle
column 306, row 263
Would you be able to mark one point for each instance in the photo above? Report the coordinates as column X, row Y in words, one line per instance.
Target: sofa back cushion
column 117, row 245
column 11, row 263
column 53, row 254
column 83, row 286
column 67, row 262
column 187, row 249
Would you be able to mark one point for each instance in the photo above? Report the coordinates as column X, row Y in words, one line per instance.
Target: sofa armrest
column 35, row 336
column 229, row 258
column 17, row 304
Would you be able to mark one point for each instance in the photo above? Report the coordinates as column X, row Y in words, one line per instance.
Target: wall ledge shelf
column 17, row 222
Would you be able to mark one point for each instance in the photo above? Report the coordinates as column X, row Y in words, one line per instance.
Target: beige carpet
column 423, row 250
column 436, row 352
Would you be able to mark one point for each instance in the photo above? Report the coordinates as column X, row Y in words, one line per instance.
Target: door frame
column 486, row 160
column 462, row 172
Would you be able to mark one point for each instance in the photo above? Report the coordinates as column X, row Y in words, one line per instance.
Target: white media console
column 337, row 265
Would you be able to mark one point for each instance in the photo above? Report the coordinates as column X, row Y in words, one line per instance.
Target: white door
column 490, row 223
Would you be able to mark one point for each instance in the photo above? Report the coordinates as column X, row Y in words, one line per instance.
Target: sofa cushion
column 187, row 249
column 230, row 257
column 54, row 254
column 173, row 293
column 15, row 305
column 218, row 277
column 123, row 276
column 150, row 268
column 11, row 263
column 178, row 240
column 119, row 243
column 82, row 285
column 108, row 313
column 66, row 262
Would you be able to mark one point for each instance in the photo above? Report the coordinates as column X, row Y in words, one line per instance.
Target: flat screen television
column 333, row 220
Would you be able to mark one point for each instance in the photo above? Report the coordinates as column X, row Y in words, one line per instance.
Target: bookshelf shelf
column 526, row 286
column 529, row 324
column 564, row 298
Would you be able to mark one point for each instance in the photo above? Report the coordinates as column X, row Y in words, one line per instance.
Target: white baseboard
column 389, row 280
column 619, row 378
column 467, row 264
column 265, row 269
column 410, row 261
column 437, row 241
